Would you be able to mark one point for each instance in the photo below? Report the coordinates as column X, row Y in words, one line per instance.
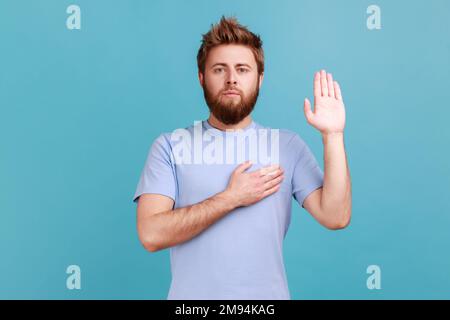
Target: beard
column 231, row 110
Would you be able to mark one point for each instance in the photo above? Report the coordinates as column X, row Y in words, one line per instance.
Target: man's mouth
column 231, row 93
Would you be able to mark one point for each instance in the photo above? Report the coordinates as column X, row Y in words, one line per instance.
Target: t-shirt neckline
column 208, row 126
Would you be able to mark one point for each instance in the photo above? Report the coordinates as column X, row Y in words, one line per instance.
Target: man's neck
column 213, row 121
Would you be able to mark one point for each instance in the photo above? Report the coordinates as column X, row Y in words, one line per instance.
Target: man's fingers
column 307, row 110
column 264, row 171
column 337, row 91
column 323, row 83
column 330, row 85
column 270, row 184
column 272, row 175
column 274, row 189
column 317, row 88
column 243, row 166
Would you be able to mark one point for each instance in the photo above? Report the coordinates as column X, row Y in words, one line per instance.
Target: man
column 225, row 222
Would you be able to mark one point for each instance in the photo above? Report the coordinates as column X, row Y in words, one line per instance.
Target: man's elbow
column 148, row 241
column 338, row 225
column 341, row 223
column 150, row 246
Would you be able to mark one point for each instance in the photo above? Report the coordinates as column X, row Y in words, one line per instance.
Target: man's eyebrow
column 237, row 65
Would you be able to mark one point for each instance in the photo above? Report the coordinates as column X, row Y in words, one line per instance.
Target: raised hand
column 329, row 111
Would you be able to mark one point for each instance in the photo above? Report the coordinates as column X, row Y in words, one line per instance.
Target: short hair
column 229, row 31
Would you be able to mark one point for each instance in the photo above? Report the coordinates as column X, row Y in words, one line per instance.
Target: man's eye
column 218, row 70
column 243, row 70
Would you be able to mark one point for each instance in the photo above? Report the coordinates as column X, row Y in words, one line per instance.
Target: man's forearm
column 172, row 227
column 336, row 192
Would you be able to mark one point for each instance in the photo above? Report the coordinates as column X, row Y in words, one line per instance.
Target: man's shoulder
column 167, row 138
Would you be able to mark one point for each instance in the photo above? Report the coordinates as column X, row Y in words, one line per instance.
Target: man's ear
column 200, row 78
column 261, row 78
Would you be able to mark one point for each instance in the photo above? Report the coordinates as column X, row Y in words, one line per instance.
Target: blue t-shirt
column 240, row 256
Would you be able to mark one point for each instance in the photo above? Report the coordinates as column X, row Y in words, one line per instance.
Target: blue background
column 80, row 108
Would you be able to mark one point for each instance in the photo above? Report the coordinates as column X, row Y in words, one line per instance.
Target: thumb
column 307, row 109
column 243, row 166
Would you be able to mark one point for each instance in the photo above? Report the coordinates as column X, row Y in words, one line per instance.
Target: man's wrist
column 332, row 136
column 228, row 199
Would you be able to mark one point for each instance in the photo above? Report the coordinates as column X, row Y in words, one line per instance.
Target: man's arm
column 330, row 205
column 160, row 227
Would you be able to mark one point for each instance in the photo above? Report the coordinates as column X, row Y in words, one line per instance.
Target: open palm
column 329, row 111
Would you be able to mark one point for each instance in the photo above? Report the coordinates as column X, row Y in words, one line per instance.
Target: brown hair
column 229, row 31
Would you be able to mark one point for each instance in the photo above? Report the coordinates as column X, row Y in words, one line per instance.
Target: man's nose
column 231, row 79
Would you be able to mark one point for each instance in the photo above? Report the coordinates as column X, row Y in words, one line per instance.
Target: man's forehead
column 231, row 54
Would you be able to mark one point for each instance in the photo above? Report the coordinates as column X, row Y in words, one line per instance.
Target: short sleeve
column 307, row 175
column 158, row 175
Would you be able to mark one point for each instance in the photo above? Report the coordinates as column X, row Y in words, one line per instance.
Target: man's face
column 230, row 82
